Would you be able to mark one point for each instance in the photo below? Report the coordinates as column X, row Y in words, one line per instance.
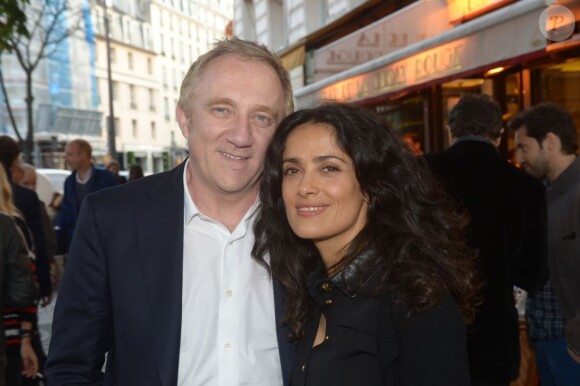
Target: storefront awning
column 507, row 33
column 294, row 58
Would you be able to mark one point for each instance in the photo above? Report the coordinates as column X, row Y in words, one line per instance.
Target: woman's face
column 322, row 196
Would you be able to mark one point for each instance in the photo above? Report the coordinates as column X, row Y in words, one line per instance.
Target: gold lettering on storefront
column 438, row 62
column 389, row 78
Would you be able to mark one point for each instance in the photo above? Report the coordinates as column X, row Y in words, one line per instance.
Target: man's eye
column 264, row 119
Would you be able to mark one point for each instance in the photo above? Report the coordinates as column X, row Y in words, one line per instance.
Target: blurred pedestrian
column 507, row 227
column 160, row 275
column 114, row 167
column 85, row 179
column 135, row 172
column 547, row 141
column 370, row 251
column 18, row 320
column 28, row 204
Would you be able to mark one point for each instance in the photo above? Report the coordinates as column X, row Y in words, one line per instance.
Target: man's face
column 233, row 113
column 29, row 179
column 532, row 155
column 75, row 158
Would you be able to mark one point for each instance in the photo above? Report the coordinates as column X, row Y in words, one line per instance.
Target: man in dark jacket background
column 508, row 228
column 85, row 179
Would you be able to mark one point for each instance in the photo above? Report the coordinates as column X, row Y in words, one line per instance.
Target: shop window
column 560, row 84
column 405, row 115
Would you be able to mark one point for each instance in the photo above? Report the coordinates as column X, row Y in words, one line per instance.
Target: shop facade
column 493, row 47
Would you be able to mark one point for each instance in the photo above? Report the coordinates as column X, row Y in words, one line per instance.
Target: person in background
column 135, row 172
column 27, row 179
column 370, row 251
column 414, row 142
column 508, row 228
column 160, row 276
column 114, row 167
column 25, row 175
column 85, row 179
column 27, row 202
column 18, row 319
column 547, row 140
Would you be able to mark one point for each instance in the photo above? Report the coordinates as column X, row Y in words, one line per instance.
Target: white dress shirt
column 228, row 325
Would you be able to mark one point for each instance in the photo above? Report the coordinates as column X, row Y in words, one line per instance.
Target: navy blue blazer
column 67, row 215
column 121, row 290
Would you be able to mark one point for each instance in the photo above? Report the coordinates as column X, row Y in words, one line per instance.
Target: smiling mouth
column 233, row 157
column 310, row 209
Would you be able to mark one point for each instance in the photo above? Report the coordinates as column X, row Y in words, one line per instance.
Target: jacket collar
column 352, row 279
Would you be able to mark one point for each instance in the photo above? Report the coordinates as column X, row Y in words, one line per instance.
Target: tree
column 12, row 19
column 46, row 24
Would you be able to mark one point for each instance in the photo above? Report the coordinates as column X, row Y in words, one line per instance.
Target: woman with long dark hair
column 370, row 251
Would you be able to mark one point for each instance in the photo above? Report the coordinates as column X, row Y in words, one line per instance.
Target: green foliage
column 12, row 21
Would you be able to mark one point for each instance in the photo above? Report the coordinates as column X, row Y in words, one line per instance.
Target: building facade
column 411, row 61
column 152, row 45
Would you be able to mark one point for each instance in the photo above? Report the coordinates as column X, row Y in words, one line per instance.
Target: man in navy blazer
column 85, row 179
column 159, row 275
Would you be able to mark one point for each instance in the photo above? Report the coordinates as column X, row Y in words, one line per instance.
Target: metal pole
column 111, row 121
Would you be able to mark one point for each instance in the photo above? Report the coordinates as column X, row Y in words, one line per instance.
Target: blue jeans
column 555, row 366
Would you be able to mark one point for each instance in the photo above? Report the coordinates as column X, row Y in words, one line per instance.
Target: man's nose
column 240, row 134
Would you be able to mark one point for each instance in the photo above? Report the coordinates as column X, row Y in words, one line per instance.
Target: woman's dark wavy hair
column 415, row 230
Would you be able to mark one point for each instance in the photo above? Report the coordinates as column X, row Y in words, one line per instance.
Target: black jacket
column 509, row 228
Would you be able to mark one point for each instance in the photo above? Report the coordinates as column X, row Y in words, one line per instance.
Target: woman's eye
column 330, row 168
column 290, row 171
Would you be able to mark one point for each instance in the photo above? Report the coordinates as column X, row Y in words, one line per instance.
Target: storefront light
column 494, row 71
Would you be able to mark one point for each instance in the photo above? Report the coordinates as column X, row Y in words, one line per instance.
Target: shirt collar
column 88, row 176
column 568, row 177
column 475, row 138
column 191, row 210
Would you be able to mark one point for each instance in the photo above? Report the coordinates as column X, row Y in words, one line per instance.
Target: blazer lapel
column 285, row 347
column 160, row 230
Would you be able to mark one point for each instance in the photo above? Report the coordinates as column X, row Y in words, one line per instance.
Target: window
column 99, row 96
column 149, row 66
column 112, row 55
column 117, row 126
column 115, row 91
column 132, row 98
column 164, row 77
column 151, row 99
column 134, row 128
column 153, row 130
column 166, row 106
column 130, row 60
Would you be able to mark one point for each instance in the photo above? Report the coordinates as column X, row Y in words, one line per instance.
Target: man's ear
column 450, row 137
column 552, row 142
column 182, row 121
column 497, row 141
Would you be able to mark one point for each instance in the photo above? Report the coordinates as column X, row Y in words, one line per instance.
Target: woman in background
column 370, row 251
column 135, row 172
column 18, row 318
